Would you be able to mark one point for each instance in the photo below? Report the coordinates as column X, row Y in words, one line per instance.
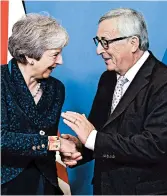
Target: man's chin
column 110, row 67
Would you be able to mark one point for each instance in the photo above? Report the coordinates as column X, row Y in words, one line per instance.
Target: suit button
column 34, row 147
column 42, row 132
column 38, row 147
column 43, row 145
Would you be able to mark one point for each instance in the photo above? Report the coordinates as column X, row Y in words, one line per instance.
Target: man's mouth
column 106, row 60
column 106, row 57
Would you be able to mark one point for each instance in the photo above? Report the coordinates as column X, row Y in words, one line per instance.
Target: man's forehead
column 107, row 28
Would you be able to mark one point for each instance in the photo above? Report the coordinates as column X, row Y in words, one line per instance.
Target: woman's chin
column 46, row 74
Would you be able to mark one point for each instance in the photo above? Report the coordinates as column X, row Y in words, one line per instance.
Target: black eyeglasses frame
column 107, row 42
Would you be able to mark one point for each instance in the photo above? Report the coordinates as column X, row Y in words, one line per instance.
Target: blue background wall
column 82, row 67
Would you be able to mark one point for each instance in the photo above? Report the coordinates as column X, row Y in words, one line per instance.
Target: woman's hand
column 63, row 145
column 68, row 146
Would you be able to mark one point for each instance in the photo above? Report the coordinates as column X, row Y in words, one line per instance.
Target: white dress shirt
column 130, row 74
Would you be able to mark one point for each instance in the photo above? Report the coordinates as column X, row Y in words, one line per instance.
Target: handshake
column 69, row 146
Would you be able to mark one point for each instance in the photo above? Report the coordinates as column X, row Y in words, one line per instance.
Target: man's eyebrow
column 103, row 37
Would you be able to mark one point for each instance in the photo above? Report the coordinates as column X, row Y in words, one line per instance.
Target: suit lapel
column 140, row 81
column 24, row 98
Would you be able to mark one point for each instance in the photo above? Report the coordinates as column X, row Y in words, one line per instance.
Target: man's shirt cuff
column 90, row 142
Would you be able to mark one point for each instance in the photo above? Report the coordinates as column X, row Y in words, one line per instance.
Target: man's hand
column 68, row 158
column 79, row 124
column 61, row 144
column 73, row 139
column 67, row 146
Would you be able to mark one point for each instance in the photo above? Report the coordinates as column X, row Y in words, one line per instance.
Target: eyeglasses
column 105, row 43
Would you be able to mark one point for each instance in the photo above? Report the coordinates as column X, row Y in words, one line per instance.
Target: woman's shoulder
column 5, row 78
column 4, row 69
column 57, row 83
column 4, row 72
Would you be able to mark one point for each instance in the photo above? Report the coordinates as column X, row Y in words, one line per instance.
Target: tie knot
column 122, row 80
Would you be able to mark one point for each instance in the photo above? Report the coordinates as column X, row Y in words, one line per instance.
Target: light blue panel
column 82, row 67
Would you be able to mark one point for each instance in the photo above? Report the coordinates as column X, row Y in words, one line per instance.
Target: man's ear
column 135, row 42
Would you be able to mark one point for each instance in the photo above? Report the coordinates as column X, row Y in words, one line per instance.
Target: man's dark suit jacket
column 131, row 144
column 22, row 122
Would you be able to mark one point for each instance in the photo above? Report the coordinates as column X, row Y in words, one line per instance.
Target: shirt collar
column 130, row 74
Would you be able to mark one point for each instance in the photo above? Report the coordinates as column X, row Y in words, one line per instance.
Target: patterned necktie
column 118, row 92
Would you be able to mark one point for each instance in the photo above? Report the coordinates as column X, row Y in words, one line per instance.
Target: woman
column 31, row 105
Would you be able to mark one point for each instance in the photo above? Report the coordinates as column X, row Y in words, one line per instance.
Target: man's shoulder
column 162, row 67
column 158, row 79
column 159, row 66
column 107, row 77
column 160, row 72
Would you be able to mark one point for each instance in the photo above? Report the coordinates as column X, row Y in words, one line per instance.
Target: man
column 127, row 135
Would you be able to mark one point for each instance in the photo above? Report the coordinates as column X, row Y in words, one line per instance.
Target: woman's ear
column 30, row 60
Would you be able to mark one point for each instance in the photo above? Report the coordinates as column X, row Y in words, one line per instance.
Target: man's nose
column 59, row 59
column 99, row 49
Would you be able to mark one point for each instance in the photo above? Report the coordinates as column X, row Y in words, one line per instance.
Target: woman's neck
column 26, row 71
column 32, row 83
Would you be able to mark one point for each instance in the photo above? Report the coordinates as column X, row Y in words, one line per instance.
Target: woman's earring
column 32, row 63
